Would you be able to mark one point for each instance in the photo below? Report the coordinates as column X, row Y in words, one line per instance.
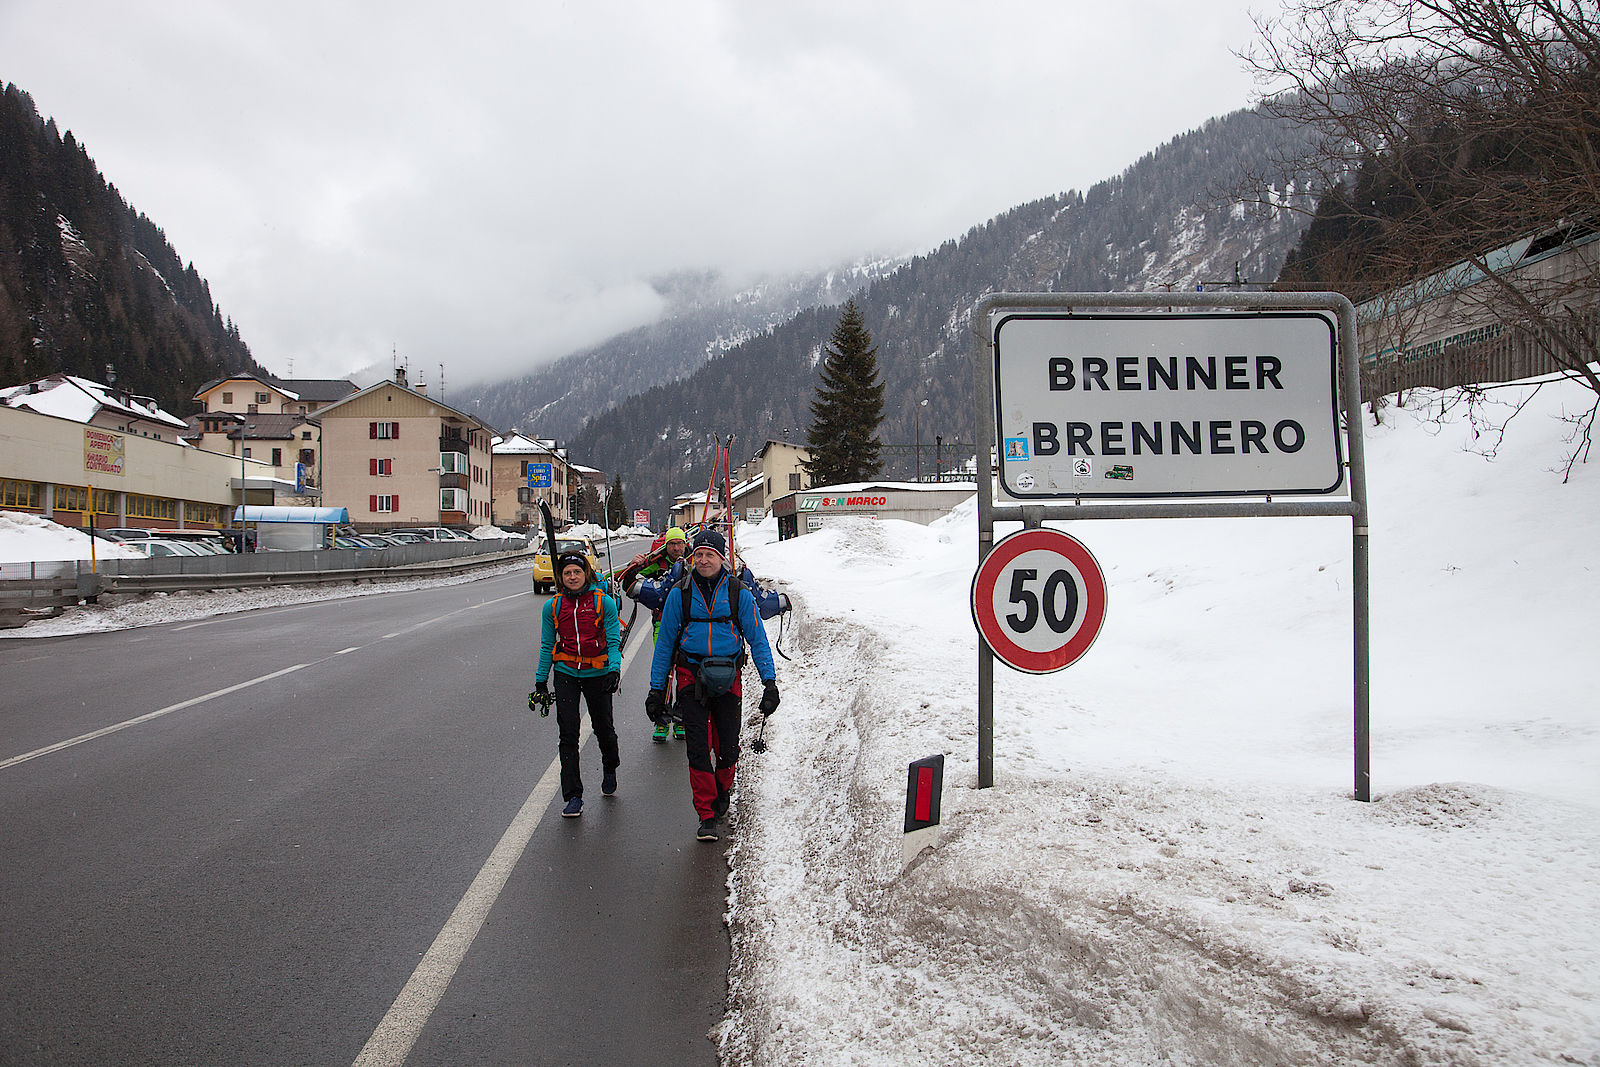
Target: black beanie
column 709, row 538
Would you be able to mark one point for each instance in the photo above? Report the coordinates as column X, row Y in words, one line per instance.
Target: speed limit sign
column 1039, row 599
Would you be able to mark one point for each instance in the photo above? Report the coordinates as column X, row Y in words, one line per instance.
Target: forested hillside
column 1173, row 220
column 85, row 280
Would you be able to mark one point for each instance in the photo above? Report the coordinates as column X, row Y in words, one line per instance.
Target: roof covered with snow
column 516, row 444
column 78, row 399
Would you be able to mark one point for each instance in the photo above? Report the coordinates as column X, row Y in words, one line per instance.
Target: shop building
column 922, row 502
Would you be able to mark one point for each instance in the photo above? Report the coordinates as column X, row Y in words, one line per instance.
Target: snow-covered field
column 1169, row 868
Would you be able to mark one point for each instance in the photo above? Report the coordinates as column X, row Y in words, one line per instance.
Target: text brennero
column 1214, row 437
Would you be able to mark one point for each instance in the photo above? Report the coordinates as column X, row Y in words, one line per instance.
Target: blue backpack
column 713, row 675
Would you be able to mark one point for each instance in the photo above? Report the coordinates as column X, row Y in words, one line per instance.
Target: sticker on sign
column 1191, row 405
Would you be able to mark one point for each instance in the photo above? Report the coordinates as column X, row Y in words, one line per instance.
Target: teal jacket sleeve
column 547, row 642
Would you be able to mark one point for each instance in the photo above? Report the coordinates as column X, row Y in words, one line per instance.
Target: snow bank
column 26, row 538
column 1169, row 868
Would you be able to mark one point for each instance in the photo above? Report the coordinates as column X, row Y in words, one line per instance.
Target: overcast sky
column 491, row 185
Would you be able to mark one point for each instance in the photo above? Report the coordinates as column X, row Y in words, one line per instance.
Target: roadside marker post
column 924, row 785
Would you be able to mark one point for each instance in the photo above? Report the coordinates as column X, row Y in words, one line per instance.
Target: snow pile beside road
column 494, row 533
column 1169, row 868
column 26, row 538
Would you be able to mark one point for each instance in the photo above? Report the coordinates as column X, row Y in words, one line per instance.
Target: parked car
column 435, row 533
column 543, row 579
column 156, row 547
column 127, row 533
column 359, row 541
column 214, row 542
column 407, row 537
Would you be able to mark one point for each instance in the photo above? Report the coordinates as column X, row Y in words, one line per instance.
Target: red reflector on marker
column 924, row 779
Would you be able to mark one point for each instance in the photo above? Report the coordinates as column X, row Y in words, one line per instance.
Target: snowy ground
column 1169, row 868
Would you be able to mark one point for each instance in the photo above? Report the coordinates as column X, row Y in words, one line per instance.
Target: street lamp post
column 242, row 430
column 917, row 413
column 938, row 469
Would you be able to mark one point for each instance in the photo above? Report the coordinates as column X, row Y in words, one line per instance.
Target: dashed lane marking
column 129, row 723
column 192, row 701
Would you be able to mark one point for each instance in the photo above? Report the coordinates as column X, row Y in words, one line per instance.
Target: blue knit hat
column 709, row 538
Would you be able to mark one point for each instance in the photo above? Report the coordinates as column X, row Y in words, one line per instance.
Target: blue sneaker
column 573, row 809
column 608, row 784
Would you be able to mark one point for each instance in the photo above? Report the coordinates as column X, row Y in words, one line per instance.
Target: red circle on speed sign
column 1039, row 600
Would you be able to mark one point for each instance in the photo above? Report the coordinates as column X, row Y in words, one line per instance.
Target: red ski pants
column 711, row 736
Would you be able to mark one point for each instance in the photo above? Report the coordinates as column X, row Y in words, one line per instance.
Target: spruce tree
column 616, row 506
column 848, row 408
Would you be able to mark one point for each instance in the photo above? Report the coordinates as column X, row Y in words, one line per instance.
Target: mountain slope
column 85, row 280
column 1166, row 222
column 705, row 316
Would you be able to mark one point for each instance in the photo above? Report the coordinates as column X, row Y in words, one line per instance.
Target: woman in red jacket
column 580, row 637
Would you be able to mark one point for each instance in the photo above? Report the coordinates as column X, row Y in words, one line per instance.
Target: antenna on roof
column 441, row 383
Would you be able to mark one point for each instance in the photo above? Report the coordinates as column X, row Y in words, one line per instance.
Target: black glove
column 539, row 699
column 655, row 706
column 769, row 698
column 612, row 681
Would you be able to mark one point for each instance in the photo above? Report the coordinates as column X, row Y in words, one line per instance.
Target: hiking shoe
column 659, row 734
column 707, row 831
column 608, row 784
column 573, row 809
column 677, row 731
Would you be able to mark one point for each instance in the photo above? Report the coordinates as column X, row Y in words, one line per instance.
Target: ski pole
column 716, row 461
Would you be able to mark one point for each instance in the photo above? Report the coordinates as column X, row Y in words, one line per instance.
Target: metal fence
column 33, row 590
column 1510, row 355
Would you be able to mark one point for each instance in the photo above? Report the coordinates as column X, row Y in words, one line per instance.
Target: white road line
column 126, row 724
column 115, row 727
column 392, row 1041
column 234, row 616
column 449, row 614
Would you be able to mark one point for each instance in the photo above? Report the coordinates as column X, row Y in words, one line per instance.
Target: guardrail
column 41, row 590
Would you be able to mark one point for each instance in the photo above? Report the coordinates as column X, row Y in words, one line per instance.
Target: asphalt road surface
column 330, row 834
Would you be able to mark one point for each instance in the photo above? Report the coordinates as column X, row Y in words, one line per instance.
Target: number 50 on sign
column 1039, row 600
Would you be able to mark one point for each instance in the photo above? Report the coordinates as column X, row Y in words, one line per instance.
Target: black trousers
column 568, row 687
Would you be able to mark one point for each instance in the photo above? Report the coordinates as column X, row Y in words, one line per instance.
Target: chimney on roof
column 421, row 388
column 400, row 375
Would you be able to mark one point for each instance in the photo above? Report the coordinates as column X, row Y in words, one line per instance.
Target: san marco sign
column 1156, row 405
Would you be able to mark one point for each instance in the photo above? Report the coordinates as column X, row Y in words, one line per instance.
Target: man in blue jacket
column 706, row 621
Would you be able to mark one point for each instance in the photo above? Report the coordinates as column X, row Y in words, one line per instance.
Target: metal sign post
column 1170, row 405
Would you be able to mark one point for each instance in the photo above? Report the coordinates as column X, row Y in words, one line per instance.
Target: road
column 292, row 835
